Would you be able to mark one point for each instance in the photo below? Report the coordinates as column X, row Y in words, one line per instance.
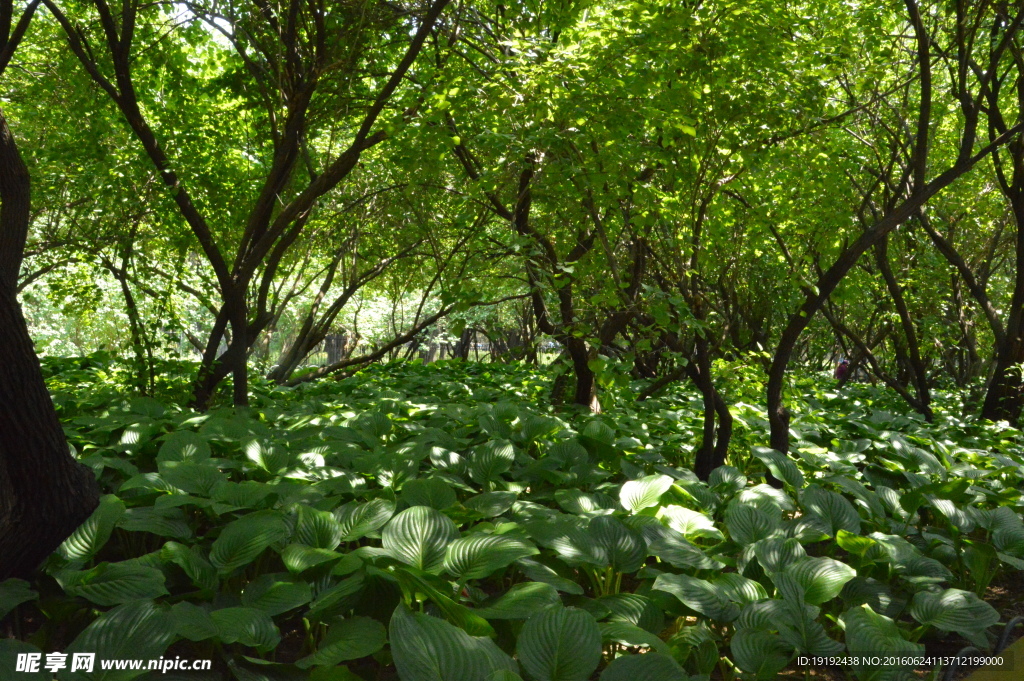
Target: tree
column 44, row 493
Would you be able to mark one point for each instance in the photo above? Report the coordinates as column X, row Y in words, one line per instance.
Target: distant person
column 842, row 369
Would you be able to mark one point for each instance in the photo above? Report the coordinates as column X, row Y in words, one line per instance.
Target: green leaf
column 520, row 602
column 91, row 535
column 248, row 626
column 491, row 460
column 276, row 594
column 624, row 548
column 419, row 536
column 478, row 555
column 637, row 495
column 490, row 504
column 318, row 529
column 183, row 445
column 821, row 578
column 242, row 540
column 347, row 639
column 14, row 592
column 10, row 649
column 299, row 558
column 115, row 583
column 358, row 520
column 781, row 466
column 560, row 644
column 136, row 630
column 429, row 649
column 628, row 634
column 432, row 492
column 191, row 560
column 954, row 610
column 689, row 523
column 747, row 524
column 868, row 633
column 760, row 653
column 718, row 599
column 834, row 510
column 648, row 667
column 193, row 622
column 161, row 522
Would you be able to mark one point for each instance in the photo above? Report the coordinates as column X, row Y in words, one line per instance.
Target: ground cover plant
column 434, row 523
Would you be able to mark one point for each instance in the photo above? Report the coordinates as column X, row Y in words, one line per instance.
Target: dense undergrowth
column 442, row 523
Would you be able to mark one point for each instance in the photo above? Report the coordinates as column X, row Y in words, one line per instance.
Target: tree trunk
column 44, row 493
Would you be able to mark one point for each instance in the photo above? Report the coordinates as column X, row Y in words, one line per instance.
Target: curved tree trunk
column 44, row 493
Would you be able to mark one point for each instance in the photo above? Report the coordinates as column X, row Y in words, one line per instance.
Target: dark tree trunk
column 44, row 493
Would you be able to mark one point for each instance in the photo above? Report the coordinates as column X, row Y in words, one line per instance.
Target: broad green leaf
column 637, row 495
column 781, row 466
column 276, row 594
column 627, row 634
column 478, row 555
column 317, row 529
column 429, row 649
column 136, row 630
column 624, row 548
column 242, row 540
column 490, row 504
column 14, row 592
column 419, row 536
column 347, row 639
column 760, row 653
column 115, row 583
column 520, row 602
column 432, row 492
column 821, row 578
column 248, row 626
column 689, row 523
column 560, row 644
column 10, row 649
column 183, row 445
column 358, row 520
column 648, row 667
column 868, row 633
column 953, row 610
column 91, row 535
column 489, row 461
column 191, row 560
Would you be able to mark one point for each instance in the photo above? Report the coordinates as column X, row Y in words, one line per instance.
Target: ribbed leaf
column 627, row 634
column 775, row 553
column 14, row 592
column 419, row 536
column 625, row 549
column 479, row 555
column 718, row 599
column 635, row 609
column 136, row 630
column 429, row 649
column 726, row 480
column 539, row 572
column 584, row 503
column 490, row 460
column 183, row 445
column 191, row 560
column 637, row 495
column 560, row 644
column 953, row 610
column 91, row 535
column 161, row 522
column 748, row 524
column 276, row 594
column 242, row 540
column 115, row 583
column 298, row 557
column 199, row 478
column 821, row 578
column 432, row 492
column 760, row 653
column 649, row 667
column 689, row 523
column 193, row 622
column 520, row 602
column 834, row 510
column 674, row 549
column 358, row 520
column 318, row 529
column 868, row 633
column 490, row 504
column 347, row 639
column 781, row 466
column 248, row 626
column 10, row 649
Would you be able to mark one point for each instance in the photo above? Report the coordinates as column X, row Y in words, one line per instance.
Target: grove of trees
column 292, row 190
